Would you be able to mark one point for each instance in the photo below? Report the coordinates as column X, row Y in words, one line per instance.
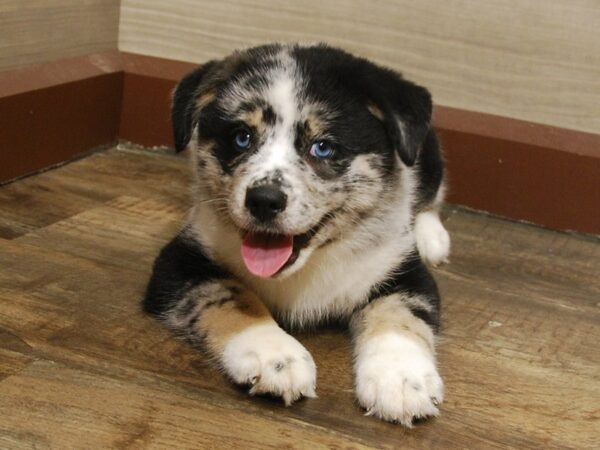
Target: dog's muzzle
column 265, row 254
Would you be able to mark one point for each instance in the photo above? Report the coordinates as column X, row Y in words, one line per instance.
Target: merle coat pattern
column 318, row 180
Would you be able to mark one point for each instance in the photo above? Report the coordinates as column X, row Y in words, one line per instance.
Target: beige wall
column 33, row 31
column 536, row 60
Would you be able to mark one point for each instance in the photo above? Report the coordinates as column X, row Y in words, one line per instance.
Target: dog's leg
column 396, row 377
column 433, row 241
column 395, row 369
column 432, row 238
column 199, row 300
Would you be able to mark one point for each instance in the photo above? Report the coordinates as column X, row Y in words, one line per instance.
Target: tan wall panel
column 35, row 31
column 535, row 60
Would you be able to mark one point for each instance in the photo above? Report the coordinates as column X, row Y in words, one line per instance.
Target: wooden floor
column 82, row 367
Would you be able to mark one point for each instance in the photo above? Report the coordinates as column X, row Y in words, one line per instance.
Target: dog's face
column 295, row 146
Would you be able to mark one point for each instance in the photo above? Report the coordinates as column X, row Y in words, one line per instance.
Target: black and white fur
column 363, row 221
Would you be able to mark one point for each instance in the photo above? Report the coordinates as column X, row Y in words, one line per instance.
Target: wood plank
column 536, row 61
column 76, row 409
column 60, row 193
column 518, row 352
column 15, row 354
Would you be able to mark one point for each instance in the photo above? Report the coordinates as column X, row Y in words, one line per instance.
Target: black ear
column 185, row 96
column 406, row 108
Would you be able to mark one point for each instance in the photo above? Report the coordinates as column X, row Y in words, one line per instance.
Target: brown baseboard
column 53, row 112
column 525, row 171
column 148, row 83
column 521, row 170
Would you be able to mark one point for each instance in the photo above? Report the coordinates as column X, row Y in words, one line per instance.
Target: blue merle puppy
column 318, row 180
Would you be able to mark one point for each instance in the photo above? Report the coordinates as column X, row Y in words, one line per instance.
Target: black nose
column 265, row 202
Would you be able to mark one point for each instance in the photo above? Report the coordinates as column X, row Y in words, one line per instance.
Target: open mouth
column 266, row 255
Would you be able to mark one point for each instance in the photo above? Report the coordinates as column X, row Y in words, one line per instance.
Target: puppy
column 318, row 180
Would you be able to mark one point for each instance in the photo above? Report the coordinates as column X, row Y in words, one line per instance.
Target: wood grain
column 537, row 61
column 36, row 31
column 49, row 197
column 81, row 366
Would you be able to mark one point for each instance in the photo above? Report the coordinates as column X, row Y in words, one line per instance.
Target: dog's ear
column 404, row 107
column 183, row 109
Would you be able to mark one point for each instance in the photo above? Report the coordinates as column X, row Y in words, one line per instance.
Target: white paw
column 432, row 238
column 396, row 380
column 272, row 361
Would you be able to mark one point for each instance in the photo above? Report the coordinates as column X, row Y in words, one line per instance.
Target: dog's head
column 296, row 145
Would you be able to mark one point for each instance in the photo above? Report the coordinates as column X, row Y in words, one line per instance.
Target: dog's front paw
column 272, row 361
column 432, row 238
column 397, row 380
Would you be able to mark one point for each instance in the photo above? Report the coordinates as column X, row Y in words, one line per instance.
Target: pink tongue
column 265, row 254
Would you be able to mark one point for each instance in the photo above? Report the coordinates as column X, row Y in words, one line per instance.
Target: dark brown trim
column 152, row 67
column 145, row 114
column 40, row 76
column 521, row 131
column 148, row 84
column 526, row 171
column 556, row 189
column 56, row 111
column 522, row 170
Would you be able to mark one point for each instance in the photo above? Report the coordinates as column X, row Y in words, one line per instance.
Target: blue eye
column 242, row 139
column 321, row 150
